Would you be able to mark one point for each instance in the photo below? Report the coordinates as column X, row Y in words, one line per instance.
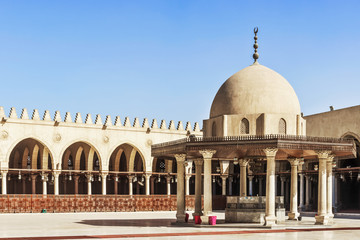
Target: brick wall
column 23, row 203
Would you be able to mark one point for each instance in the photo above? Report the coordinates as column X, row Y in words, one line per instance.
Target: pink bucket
column 212, row 220
column 197, row 219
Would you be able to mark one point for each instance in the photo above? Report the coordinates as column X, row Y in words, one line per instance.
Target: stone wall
column 23, row 203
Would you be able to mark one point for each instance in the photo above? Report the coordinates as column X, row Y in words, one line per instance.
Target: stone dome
column 253, row 90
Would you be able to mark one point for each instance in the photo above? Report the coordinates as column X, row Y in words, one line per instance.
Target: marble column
column 223, row 184
column 230, row 185
column 56, row 182
column 260, row 185
column 322, row 217
column 329, row 187
column 180, row 193
column 3, row 182
column 88, row 179
column 44, row 178
column 33, row 184
column 270, row 218
column 147, row 183
column 307, row 191
column 187, row 184
column 130, row 177
column 207, row 156
column 243, row 164
column 198, row 179
column 301, row 194
column 103, row 182
column 76, row 182
column 168, row 185
column 251, row 185
column 282, row 182
column 293, row 213
column 116, row 181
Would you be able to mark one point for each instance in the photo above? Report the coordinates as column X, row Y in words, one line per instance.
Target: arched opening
column 80, row 164
column 349, row 181
column 244, row 126
column 282, row 126
column 30, row 164
column 126, row 160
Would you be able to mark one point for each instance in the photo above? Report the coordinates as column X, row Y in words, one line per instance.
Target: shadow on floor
column 129, row 222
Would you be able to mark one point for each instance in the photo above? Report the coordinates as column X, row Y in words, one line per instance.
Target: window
column 282, row 126
column 244, row 126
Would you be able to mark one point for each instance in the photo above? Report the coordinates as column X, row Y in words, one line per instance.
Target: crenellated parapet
column 67, row 119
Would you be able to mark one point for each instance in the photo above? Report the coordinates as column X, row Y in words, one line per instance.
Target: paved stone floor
column 158, row 225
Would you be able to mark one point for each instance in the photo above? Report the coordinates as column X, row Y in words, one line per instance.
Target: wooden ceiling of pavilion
column 230, row 147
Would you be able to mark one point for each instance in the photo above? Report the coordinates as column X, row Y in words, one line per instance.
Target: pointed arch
column 116, row 166
column 34, row 156
column 25, row 157
column 78, row 154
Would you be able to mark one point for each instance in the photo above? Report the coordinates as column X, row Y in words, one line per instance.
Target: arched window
column 213, row 130
column 282, row 126
column 244, row 126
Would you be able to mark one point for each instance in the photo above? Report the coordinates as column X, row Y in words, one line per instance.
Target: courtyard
column 161, row 225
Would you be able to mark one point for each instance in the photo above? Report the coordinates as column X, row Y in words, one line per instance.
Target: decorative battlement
column 98, row 120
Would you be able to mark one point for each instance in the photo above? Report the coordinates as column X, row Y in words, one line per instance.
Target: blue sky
column 167, row 59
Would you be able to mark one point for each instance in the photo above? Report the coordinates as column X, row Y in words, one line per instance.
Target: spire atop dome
column 255, row 55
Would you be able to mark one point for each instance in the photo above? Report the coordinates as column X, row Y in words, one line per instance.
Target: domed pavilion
column 255, row 117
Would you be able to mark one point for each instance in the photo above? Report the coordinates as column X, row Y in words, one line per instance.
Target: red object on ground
column 186, row 217
column 197, row 219
column 212, row 220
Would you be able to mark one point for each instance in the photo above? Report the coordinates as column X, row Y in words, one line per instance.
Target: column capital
column 282, row 178
column 270, row 152
column 198, row 162
column 3, row 171
column 251, row 177
column 207, row 153
column 104, row 173
column 148, row 175
column 56, row 173
column 130, row 177
column 76, row 177
column 33, row 176
column 224, row 177
column 180, row 157
column 330, row 158
column 294, row 161
column 244, row 162
column 323, row 154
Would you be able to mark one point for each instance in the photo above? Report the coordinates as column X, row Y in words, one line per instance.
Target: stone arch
column 34, row 148
column 131, row 152
column 282, row 126
column 244, row 126
column 351, row 135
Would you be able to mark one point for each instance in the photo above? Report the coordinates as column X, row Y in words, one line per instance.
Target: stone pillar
column 243, row 164
column 260, row 186
column 187, row 184
column 282, row 190
column 44, row 183
column 88, row 179
column 270, row 218
column 116, row 181
column 180, row 193
column 307, row 191
column 293, row 213
column 230, row 185
column 168, row 185
column 301, row 195
column 329, row 187
column 3, row 182
column 251, row 185
column 207, row 156
column 322, row 217
column 76, row 182
column 130, row 185
column 56, row 182
column 103, row 182
column 223, row 185
column 198, row 178
column 33, row 184
column 147, row 183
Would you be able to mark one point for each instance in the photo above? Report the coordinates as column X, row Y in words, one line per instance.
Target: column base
column 270, row 221
column 180, row 217
column 322, row 220
column 293, row 216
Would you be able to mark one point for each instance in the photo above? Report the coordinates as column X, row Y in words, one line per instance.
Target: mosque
column 255, row 143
